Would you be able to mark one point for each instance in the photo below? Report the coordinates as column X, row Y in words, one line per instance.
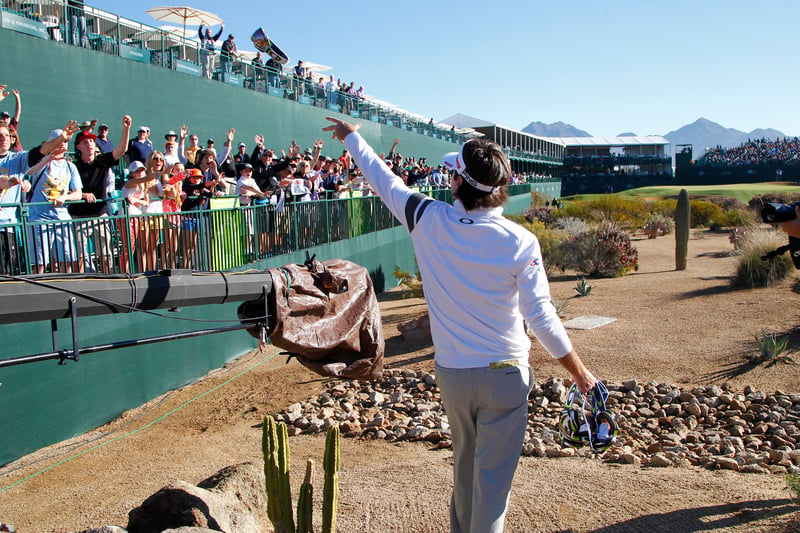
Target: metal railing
column 219, row 238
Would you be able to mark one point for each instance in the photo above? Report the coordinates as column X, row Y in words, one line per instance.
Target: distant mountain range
column 701, row 134
column 556, row 129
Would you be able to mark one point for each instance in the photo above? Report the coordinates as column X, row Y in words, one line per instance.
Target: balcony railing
column 108, row 33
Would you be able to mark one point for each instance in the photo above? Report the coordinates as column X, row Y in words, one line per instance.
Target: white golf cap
column 455, row 161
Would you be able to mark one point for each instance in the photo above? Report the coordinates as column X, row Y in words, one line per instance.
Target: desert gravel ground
column 686, row 328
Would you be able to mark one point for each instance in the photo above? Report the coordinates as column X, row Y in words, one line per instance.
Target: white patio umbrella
column 188, row 16
column 316, row 67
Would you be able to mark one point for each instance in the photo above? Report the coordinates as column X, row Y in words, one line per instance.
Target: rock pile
column 660, row 425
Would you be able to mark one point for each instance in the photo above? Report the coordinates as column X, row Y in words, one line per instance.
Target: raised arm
column 317, row 151
column 66, row 134
column 122, row 145
column 18, row 112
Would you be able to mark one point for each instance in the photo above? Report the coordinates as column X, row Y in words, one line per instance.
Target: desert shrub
column 538, row 198
column 770, row 348
column 703, row 213
column 603, row 251
column 581, row 210
column 573, row 226
column 665, row 207
column 552, row 241
column 625, row 212
column 727, row 203
column 539, row 212
column 411, row 282
column 658, row 225
column 731, row 218
column 750, row 270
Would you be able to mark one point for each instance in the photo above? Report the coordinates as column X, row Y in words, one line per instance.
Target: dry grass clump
column 751, row 271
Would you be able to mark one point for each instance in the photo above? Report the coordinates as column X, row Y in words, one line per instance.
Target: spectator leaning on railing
column 97, row 185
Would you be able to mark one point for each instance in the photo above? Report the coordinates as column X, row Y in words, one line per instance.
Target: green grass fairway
column 742, row 191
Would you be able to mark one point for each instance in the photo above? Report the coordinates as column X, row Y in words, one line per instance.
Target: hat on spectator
column 135, row 165
column 210, row 141
column 267, row 153
column 84, row 135
column 143, row 128
column 247, row 166
column 54, row 134
column 169, row 134
column 102, row 127
column 195, row 173
column 328, row 159
column 4, row 115
column 86, row 124
column 242, row 144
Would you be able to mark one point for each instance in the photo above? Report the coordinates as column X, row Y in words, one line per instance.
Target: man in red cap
column 98, row 182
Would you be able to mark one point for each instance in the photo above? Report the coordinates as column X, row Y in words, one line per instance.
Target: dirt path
column 685, row 328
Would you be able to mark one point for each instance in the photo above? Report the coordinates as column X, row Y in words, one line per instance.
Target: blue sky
column 607, row 67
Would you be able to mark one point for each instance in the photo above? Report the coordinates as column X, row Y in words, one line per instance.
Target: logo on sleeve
column 535, row 262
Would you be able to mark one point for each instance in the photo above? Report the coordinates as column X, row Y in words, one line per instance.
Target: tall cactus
column 682, row 221
column 305, row 500
column 331, row 464
column 275, row 447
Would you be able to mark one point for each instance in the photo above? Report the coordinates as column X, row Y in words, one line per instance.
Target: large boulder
column 231, row 500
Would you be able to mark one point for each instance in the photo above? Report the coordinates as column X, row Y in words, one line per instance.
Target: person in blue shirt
column 13, row 169
column 54, row 182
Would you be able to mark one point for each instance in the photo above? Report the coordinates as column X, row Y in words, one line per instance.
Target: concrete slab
column 588, row 322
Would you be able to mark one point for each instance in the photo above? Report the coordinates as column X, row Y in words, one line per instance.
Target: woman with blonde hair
column 154, row 223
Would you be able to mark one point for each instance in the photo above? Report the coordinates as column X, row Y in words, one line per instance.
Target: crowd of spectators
column 98, row 171
column 755, row 152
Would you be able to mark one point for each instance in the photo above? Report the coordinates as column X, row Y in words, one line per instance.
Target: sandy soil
column 685, row 328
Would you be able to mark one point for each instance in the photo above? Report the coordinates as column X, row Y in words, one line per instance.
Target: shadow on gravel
column 713, row 518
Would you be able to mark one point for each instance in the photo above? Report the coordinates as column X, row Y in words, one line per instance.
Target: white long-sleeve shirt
column 483, row 274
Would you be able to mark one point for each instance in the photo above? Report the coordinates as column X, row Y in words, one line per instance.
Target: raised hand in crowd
column 294, row 149
column 229, row 139
column 184, row 131
column 259, row 140
column 3, row 92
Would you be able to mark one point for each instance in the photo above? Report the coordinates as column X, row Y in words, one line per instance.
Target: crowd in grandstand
column 756, row 151
column 87, row 173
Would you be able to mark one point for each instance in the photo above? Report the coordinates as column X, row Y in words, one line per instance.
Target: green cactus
column 275, row 447
column 305, row 501
column 331, row 464
column 682, row 222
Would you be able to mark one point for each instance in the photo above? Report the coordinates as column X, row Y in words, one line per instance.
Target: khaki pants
column 488, row 412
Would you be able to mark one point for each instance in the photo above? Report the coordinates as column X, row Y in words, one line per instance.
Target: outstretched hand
column 340, row 128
